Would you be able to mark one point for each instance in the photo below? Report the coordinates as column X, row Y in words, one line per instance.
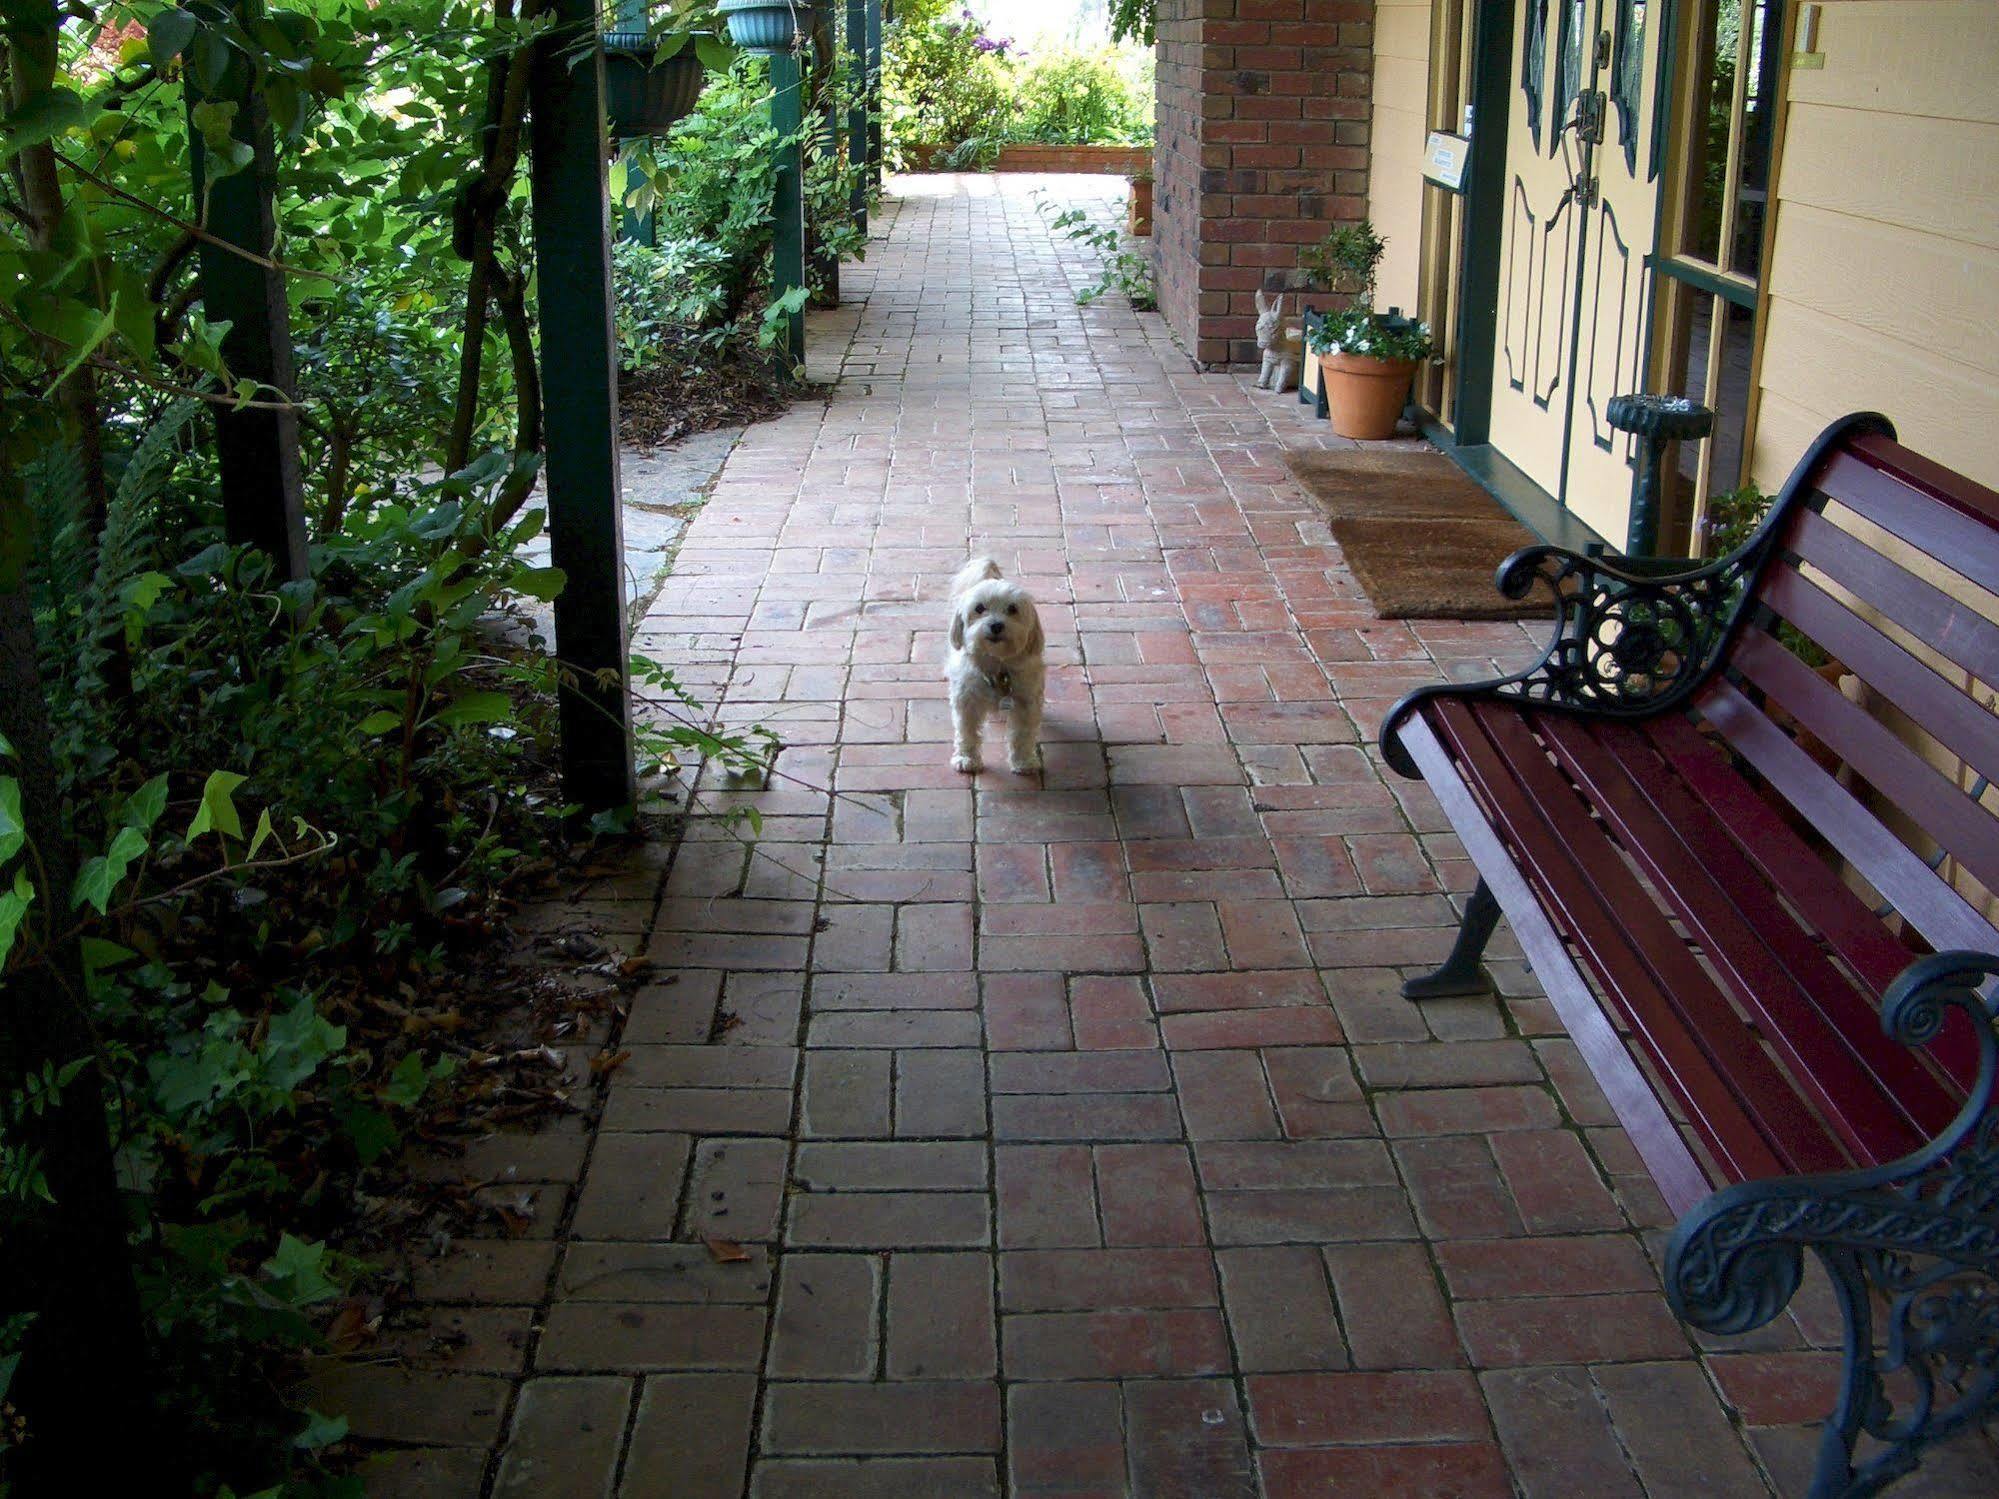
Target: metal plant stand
column 1659, row 420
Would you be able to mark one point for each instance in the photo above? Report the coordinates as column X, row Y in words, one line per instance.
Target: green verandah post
column 875, row 90
column 861, row 84
column 263, row 491
column 579, row 378
column 788, row 208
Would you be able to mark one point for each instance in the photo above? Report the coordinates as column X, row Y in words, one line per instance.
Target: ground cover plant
column 266, row 809
column 1123, row 265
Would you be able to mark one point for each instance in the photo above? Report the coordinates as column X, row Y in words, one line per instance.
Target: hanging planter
column 765, row 25
column 643, row 93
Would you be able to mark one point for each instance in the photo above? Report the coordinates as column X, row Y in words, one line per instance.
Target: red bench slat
column 1939, row 707
column 1633, row 1096
column 1952, row 530
column 1749, row 1117
column 1946, row 625
column 1881, row 1097
column 1826, row 903
column 1936, row 805
column 1939, row 913
column 1946, row 484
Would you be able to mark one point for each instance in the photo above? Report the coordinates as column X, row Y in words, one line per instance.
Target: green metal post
column 788, row 232
column 857, row 106
column 579, row 376
column 875, row 90
column 263, row 501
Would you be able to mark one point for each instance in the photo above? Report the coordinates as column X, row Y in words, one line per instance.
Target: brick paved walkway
column 1074, row 1134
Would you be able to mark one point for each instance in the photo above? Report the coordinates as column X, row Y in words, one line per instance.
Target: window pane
column 1731, row 396
column 1713, row 64
column 1759, row 116
column 1724, row 390
column 1690, row 379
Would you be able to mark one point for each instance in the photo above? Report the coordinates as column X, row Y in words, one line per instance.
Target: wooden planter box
column 1138, row 214
column 1311, row 381
column 1115, row 161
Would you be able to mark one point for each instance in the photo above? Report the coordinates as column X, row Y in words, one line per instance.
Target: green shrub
column 939, row 88
column 1075, row 97
column 949, row 83
column 1731, row 518
column 707, row 185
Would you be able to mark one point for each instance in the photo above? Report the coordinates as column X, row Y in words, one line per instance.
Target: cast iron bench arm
column 1627, row 643
column 1918, row 1236
column 1633, row 638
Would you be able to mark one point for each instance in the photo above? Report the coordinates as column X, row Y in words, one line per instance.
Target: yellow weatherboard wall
column 1883, row 285
column 1401, row 127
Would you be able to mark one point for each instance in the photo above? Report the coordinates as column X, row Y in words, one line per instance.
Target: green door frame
column 1484, row 207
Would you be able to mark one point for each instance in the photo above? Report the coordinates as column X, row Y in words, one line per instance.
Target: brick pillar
column 1263, row 109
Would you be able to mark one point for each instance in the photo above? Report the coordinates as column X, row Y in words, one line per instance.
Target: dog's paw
column 1024, row 765
column 966, row 763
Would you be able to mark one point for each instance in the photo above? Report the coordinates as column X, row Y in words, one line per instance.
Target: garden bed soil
column 689, row 388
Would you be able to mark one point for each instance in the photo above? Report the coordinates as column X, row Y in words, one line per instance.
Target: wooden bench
column 1651, row 807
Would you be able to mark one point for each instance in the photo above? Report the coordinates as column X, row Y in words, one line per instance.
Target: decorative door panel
column 1581, row 214
column 1611, row 309
column 1537, row 265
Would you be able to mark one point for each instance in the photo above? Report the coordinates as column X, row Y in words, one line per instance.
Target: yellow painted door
column 1541, row 229
column 1580, row 218
column 1621, row 230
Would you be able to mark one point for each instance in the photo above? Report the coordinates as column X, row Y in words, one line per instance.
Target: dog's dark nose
column 996, row 630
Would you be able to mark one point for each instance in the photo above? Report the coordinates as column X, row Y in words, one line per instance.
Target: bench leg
column 1462, row 972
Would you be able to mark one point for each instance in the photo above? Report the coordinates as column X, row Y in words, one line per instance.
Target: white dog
column 994, row 665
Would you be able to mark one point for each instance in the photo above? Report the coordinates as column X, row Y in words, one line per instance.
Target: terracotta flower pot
column 1138, row 221
column 1365, row 397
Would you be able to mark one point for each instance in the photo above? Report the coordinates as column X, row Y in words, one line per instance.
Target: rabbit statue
column 1279, row 345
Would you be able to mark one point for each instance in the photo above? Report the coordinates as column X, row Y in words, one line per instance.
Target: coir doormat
column 1422, row 538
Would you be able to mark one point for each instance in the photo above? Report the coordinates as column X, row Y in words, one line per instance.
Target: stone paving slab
column 1063, row 1134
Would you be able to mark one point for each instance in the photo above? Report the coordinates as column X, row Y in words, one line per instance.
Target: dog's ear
column 957, row 629
column 1036, row 640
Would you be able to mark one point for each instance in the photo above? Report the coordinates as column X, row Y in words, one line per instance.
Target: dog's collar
column 1001, row 682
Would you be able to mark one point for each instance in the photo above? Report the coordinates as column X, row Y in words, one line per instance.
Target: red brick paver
column 1074, row 1137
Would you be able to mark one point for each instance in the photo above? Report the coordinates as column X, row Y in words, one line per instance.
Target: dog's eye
column 1013, row 608
column 978, row 608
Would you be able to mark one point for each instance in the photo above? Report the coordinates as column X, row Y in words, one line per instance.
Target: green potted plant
column 1138, row 221
column 1364, row 360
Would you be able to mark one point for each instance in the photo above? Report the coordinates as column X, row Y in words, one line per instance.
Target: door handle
column 1590, row 110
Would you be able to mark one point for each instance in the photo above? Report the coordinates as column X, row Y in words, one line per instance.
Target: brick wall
column 1263, row 109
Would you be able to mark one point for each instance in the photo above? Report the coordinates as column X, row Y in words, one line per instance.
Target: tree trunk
column 83, row 1382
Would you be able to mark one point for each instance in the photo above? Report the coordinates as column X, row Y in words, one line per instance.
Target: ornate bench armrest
column 1636, row 637
column 1918, row 1238
column 1632, row 637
